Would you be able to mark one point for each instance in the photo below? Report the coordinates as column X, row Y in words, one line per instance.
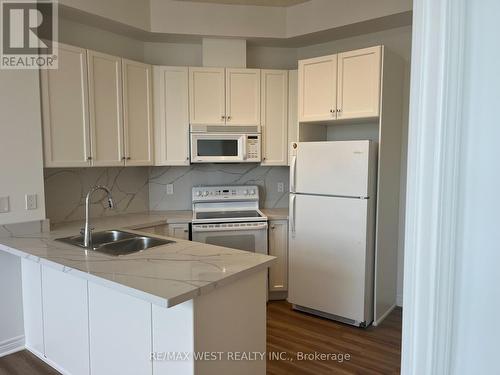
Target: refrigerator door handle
column 292, row 214
column 292, row 173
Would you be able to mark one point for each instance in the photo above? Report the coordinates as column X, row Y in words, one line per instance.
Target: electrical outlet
column 4, row 204
column 281, row 187
column 31, row 201
column 170, row 189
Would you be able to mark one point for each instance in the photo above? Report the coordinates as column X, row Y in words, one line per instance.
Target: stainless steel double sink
column 117, row 242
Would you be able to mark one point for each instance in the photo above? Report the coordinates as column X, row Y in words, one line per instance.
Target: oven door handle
column 199, row 229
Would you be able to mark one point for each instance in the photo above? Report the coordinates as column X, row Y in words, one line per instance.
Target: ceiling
column 270, row 3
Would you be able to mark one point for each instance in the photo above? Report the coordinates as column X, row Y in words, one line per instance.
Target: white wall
column 477, row 289
column 317, row 15
column 21, row 165
column 132, row 12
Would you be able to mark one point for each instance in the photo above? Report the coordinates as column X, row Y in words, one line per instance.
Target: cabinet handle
column 229, row 118
column 129, row 158
column 223, row 117
column 339, row 110
column 124, row 158
column 273, row 227
column 89, row 157
column 331, row 110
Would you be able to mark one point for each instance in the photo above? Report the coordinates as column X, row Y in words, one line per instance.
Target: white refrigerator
column 331, row 231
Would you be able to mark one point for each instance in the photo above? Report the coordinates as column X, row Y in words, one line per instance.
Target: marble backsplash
column 66, row 189
column 138, row 189
column 184, row 178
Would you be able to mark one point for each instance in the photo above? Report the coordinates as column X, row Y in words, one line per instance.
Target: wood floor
column 371, row 350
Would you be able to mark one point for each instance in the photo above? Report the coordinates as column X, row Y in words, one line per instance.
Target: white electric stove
column 229, row 216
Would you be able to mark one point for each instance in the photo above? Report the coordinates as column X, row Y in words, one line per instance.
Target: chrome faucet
column 87, row 231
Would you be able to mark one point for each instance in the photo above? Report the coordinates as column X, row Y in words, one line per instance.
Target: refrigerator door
column 345, row 168
column 331, row 256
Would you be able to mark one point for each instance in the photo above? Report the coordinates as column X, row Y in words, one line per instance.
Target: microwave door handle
column 244, row 146
column 292, row 173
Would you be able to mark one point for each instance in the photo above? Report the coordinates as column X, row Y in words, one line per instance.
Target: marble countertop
column 164, row 275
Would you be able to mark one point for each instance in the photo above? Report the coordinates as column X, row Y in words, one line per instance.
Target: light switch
column 31, row 202
column 170, row 189
column 4, row 204
column 281, row 187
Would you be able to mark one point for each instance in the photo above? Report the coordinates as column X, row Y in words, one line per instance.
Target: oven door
column 242, row 236
column 218, row 148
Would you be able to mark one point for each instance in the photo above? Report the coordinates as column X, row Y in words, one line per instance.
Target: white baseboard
column 12, row 345
column 399, row 300
column 386, row 314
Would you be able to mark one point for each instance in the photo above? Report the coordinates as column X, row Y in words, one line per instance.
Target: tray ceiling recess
column 270, row 3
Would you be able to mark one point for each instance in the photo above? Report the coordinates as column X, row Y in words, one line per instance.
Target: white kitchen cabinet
column 242, row 96
column 274, row 119
column 179, row 230
column 65, row 321
column 359, row 74
column 120, row 332
column 171, row 111
column 293, row 124
column 317, row 96
column 66, row 134
column 105, row 104
column 207, row 100
column 137, row 113
column 32, row 305
column 278, row 247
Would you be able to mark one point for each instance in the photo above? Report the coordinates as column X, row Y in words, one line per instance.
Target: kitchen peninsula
column 142, row 313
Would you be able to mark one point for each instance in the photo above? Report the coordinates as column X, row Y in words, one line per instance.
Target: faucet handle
column 82, row 230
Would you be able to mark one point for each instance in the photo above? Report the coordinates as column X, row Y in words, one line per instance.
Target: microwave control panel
column 253, row 148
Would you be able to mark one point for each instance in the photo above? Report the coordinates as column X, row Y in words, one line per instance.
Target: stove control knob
column 205, row 193
column 198, row 193
column 252, row 192
column 245, row 192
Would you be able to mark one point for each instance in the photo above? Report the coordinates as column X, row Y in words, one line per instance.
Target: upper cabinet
column 340, row 87
column 97, row 111
column 171, row 115
column 137, row 113
column 318, row 89
column 66, row 134
column 243, row 96
column 219, row 96
column 207, row 103
column 274, row 99
column 358, row 94
column 106, row 113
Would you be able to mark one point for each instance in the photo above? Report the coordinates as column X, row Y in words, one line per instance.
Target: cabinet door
column 105, row 103
column 65, row 110
column 293, row 124
column 171, row 115
column 180, row 231
column 32, row 305
column 207, row 96
column 65, row 319
column 274, row 117
column 243, row 96
column 120, row 333
column 137, row 113
column 278, row 247
column 359, row 83
column 318, row 89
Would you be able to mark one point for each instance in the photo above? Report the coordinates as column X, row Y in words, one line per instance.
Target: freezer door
column 345, row 168
column 331, row 256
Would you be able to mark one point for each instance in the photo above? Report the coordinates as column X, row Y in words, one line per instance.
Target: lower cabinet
column 65, row 321
column 120, row 333
column 278, row 247
column 180, row 231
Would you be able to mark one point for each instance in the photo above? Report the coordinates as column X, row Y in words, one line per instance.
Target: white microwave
column 225, row 144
